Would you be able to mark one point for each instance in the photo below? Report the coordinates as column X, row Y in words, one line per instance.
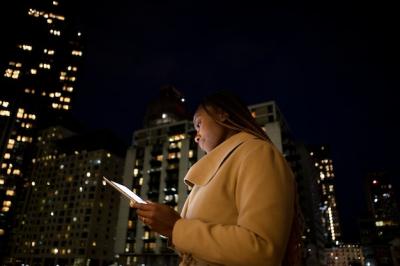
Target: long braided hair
column 240, row 119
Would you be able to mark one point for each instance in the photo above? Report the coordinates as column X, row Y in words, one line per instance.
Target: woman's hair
column 239, row 117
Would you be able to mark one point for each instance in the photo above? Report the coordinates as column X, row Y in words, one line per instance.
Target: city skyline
column 327, row 67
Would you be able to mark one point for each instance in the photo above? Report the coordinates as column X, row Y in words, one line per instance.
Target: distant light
column 374, row 182
column 33, row 183
column 183, row 100
column 164, row 115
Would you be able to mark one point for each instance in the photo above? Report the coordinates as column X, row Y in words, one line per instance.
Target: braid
column 239, row 117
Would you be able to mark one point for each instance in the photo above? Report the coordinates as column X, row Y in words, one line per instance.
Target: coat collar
column 205, row 169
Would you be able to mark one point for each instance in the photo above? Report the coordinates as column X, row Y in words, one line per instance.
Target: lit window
column 55, row 32
column 4, row 113
column 10, row 192
column 25, row 47
column 77, row 53
column 16, row 172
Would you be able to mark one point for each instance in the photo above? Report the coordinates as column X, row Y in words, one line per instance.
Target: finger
column 144, row 213
column 146, row 207
column 133, row 204
column 142, row 219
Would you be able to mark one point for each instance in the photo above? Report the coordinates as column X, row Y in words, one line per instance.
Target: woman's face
column 209, row 133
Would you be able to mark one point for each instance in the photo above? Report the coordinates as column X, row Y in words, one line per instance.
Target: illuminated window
column 71, row 68
column 16, row 172
column 43, row 65
column 77, row 53
column 7, row 156
column 70, row 89
column 4, row 113
column 25, row 47
column 48, row 51
column 10, row 192
column 55, row 32
column 10, row 73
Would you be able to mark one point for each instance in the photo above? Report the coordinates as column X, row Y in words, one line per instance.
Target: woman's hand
column 159, row 217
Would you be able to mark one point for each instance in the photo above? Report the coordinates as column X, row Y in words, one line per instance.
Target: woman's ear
column 222, row 116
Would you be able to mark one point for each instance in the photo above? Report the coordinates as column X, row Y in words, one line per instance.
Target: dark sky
column 332, row 68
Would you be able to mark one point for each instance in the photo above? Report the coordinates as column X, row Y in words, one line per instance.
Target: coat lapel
column 205, row 169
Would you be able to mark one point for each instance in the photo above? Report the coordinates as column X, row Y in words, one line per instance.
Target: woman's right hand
column 160, row 218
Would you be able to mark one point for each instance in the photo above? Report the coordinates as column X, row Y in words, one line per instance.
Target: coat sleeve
column 264, row 200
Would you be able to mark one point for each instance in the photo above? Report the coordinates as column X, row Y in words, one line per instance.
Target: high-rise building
column 155, row 166
column 380, row 228
column 382, row 203
column 69, row 215
column 326, row 181
column 158, row 160
column 37, row 82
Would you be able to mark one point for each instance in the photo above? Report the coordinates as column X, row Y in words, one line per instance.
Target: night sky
column 331, row 67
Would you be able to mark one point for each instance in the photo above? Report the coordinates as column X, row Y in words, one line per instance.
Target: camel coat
column 241, row 206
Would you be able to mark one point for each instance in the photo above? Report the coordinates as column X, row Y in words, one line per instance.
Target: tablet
column 125, row 191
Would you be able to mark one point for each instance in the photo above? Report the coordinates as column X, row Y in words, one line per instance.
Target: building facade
column 379, row 230
column 349, row 254
column 69, row 215
column 326, row 181
column 155, row 166
column 36, row 85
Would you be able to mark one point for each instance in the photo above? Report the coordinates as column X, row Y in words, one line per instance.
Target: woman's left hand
column 160, row 218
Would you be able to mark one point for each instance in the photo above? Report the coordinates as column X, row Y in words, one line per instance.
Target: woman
column 241, row 210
